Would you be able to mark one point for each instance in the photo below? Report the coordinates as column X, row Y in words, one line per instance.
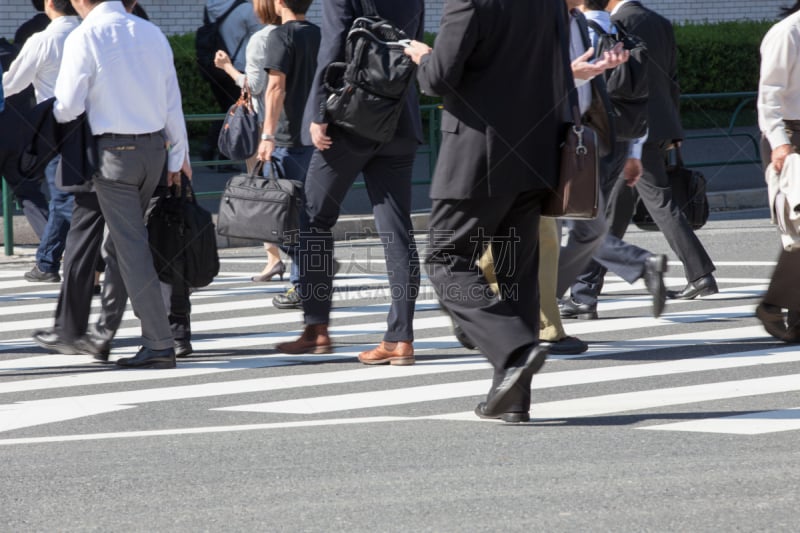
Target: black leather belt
column 128, row 135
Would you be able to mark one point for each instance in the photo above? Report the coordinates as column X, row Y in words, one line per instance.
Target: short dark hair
column 38, row 5
column 786, row 11
column 595, row 5
column 64, row 7
column 298, row 7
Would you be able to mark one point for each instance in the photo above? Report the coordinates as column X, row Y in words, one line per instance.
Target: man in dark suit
column 664, row 130
column 497, row 163
column 387, row 168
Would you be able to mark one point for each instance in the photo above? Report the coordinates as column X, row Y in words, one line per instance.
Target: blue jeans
column 293, row 162
column 54, row 237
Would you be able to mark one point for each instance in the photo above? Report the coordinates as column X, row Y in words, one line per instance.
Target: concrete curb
column 362, row 226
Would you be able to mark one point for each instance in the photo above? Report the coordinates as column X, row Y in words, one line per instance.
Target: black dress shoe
column 148, row 358
column 705, row 286
column 183, row 348
column 654, row 268
column 97, row 348
column 772, row 318
column 502, row 396
column 566, row 346
column 512, row 417
column 571, row 309
column 50, row 340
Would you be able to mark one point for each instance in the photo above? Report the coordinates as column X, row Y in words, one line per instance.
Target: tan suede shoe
column 394, row 353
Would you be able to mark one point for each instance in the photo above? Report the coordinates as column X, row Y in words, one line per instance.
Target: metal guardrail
column 433, row 115
column 746, row 98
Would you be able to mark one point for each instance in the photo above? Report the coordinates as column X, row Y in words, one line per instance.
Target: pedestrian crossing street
column 705, row 366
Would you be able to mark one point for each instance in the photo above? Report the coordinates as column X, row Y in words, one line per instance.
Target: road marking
column 651, row 399
column 547, row 380
column 207, row 429
column 747, row 424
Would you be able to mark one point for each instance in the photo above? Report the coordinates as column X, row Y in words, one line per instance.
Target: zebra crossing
column 707, row 364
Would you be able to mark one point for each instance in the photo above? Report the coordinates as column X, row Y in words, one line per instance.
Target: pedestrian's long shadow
column 628, row 420
column 655, row 351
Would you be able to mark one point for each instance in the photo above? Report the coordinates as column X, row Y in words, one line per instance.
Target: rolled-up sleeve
column 74, row 78
column 778, row 59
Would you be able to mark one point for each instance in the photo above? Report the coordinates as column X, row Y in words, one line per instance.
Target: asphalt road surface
column 689, row 422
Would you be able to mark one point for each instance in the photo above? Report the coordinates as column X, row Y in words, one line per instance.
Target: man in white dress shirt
column 779, row 121
column 38, row 63
column 119, row 69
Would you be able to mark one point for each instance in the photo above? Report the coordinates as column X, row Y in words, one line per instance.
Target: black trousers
column 387, row 171
column 624, row 259
column 81, row 260
column 784, row 290
column 503, row 325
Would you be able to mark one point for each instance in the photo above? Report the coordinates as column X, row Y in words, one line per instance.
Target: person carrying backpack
column 387, row 167
column 227, row 26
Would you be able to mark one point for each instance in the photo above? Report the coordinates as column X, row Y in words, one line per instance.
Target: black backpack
column 626, row 83
column 368, row 90
column 208, row 40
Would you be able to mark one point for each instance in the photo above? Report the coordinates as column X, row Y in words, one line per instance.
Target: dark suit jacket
column 44, row 138
column 663, row 120
column 498, row 65
column 337, row 17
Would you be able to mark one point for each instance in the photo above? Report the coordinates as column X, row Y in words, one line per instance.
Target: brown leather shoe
column 314, row 339
column 394, row 353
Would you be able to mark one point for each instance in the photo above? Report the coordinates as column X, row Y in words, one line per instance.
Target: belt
column 792, row 124
column 129, row 135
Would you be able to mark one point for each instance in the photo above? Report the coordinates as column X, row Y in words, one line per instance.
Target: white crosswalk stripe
column 635, row 364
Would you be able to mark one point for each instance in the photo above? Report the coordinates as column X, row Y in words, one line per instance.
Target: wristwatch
column 267, row 137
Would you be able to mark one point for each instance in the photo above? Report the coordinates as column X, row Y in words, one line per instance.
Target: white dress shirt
column 119, row 69
column 779, row 83
column 39, row 60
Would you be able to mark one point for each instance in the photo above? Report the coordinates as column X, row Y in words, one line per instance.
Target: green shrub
column 712, row 58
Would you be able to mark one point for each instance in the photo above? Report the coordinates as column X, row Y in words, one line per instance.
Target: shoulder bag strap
column 569, row 81
column 368, row 7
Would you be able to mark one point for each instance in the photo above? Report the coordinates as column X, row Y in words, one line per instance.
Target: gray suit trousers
column 130, row 169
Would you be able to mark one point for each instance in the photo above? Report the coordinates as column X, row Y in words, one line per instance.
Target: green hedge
column 712, row 58
column 719, row 58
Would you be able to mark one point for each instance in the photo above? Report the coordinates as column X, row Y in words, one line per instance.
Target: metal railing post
column 8, row 219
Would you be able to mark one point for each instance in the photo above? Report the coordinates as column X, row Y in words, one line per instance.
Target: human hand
column 221, row 59
column 779, row 154
column 584, row 69
column 415, row 50
column 265, row 149
column 632, row 171
column 319, row 136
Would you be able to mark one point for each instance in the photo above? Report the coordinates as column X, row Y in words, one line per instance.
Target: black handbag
column 260, row 208
column 183, row 242
column 241, row 132
column 688, row 193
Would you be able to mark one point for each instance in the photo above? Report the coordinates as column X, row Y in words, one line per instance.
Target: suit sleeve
column 337, row 17
column 441, row 70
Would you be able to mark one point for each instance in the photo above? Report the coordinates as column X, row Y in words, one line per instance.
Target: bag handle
column 275, row 172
